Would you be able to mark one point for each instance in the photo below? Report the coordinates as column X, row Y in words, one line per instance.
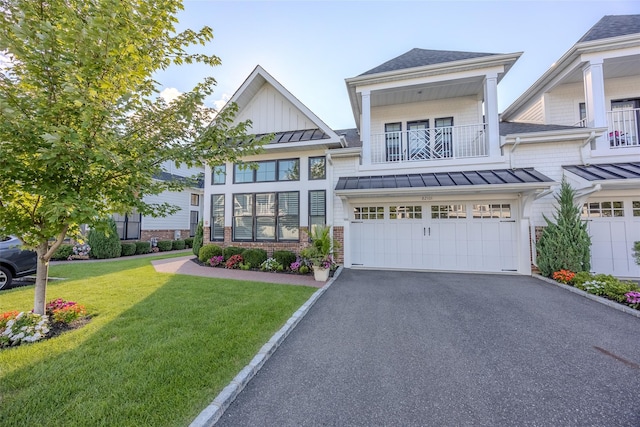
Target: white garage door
column 613, row 224
column 439, row 236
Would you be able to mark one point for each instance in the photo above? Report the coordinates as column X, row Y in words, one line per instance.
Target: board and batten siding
column 269, row 111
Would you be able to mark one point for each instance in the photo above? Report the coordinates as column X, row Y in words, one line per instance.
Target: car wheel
column 5, row 277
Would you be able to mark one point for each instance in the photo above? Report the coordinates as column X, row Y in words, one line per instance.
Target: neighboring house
column 592, row 89
column 431, row 178
column 181, row 224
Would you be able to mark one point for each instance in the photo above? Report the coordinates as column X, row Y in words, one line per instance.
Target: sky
column 311, row 47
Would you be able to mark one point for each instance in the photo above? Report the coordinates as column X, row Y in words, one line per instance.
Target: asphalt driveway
column 387, row 348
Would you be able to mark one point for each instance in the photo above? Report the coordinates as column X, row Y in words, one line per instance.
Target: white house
column 182, row 224
column 595, row 89
column 432, row 178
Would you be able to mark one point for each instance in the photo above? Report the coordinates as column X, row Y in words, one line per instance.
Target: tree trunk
column 41, row 278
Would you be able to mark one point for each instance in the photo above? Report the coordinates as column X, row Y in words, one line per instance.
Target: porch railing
column 442, row 143
column 623, row 127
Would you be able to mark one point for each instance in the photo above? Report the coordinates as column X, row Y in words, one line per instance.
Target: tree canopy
column 83, row 131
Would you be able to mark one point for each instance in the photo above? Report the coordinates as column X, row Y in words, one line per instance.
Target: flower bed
column 26, row 327
column 604, row 285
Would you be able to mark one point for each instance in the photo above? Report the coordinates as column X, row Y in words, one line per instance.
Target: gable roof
column 612, row 26
column 251, row 87
column 422, row 57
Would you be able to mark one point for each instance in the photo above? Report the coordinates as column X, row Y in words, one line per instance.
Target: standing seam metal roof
column 606, row 171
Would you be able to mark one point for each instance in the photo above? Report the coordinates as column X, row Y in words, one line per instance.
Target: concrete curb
column 212, row 413
column 596, row 298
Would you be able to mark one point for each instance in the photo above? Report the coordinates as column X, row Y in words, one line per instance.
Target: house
column 181, row 224
column 432, row 177
column 594, row 88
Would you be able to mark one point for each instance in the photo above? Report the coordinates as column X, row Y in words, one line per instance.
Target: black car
column 15, row 261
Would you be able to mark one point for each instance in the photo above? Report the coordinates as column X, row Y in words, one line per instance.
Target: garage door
column 613, row 224
column 438, row 236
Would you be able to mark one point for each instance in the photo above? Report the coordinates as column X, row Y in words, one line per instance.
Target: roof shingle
column 613, row 26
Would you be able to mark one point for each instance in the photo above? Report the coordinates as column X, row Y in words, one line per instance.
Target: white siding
column 533, row 114
column 269, row 111
column 177, row 221
column 563, row 104
column 465, row 111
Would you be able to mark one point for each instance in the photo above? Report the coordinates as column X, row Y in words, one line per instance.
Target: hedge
column 209, row 251
column 128, row 249
column 255, row 257
column 164, row 245
column 177, row 245
column 63, row 252
column 143, row 248
column 285, row 258
column 231, row 251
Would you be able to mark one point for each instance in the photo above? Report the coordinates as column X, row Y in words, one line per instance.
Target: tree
column 82, row 128
column 564, row 244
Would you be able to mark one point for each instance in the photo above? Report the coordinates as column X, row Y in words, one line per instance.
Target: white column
column 491, row 114
column 594, row 94
column 365, row 127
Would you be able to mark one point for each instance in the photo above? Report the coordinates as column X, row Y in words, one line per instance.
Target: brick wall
column 338, row 238
column 146, row 235
column 270, row 247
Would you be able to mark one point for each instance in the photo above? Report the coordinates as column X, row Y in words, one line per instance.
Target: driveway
column 387, row 348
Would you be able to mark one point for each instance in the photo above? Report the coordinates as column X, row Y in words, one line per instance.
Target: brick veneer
column 270, row 247
column 338, row 238
column 146, row 235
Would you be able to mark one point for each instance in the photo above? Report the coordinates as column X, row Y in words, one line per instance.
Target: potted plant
column 320, row 253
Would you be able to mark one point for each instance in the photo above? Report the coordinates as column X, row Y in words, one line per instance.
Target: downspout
column 588, row 141
column 512, row 150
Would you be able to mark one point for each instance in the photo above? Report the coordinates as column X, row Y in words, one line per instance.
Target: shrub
column 63, row 252
column 234, row 261
column 209, row 251
column 245, row 266
column 565, row 244
column 188, row 242
column 271, row 265
column 304, row 269
column 143, row 248
column 285, row 258
column 128, row 249
column 231, row 251
column 177, row 245
column 197, row 239
column 216, row 260
column 164, row 245
column 254, row 256
column 105, row 244
column 617, row 290
column 581, row 277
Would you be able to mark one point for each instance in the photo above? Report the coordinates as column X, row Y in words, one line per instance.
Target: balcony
column 442, row 143
column 623, row 128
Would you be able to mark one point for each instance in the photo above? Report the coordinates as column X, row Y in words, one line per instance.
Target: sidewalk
column 185, row 265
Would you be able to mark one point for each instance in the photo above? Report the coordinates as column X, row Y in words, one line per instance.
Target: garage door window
column 496, row 210
column 636, row 208
column 405, row 212
column 368, row 212
column 448, row 212
column 603, row 209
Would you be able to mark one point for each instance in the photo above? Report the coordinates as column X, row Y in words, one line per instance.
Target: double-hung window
column 266, row 216
column 317, row 209
column 217, row 217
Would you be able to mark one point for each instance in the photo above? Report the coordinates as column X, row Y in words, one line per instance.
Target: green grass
column 159, row 348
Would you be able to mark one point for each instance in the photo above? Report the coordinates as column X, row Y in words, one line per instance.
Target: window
column 448, row 212
column 443, row 144
column 624, row 121
column 483, row 211
column 392, row 141
column 193, row 223
column 217, row 217
column 317, row 168
column 606, row 209
column 405, row 212
column 219, row 175
column 317, row 209
column 242, row 173
column 266, row 216
column 128, row 225
column 582, row 111
column 418, row 140
column 368, row 212
column 636, row 208
column 267, row 171
column 195, row 200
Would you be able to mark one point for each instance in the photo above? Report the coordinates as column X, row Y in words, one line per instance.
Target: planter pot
column 321, row 274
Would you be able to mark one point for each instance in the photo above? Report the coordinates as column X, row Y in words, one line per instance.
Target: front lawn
column 158, row 349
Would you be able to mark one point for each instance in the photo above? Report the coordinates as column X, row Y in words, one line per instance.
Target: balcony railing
column 442, row 143
column 623, row 128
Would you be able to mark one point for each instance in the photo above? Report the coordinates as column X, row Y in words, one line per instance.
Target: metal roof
column 423, row 57
column 443, row 179
column 613, row 26
column 606, row 171
column 298, row 136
